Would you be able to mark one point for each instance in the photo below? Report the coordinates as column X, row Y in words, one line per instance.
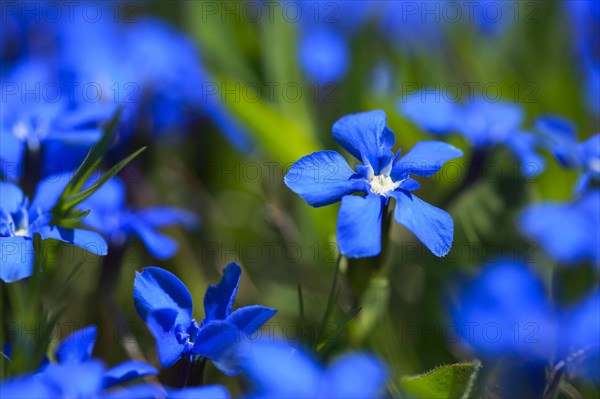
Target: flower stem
column 332, row 297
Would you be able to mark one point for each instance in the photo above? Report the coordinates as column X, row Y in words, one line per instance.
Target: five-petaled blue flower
column 77, row 375
column 19, row 222
column 568, row 232
column 279, row 370
column 165, row 304
column 561, row 138
column 483, row 123
column 324, row 177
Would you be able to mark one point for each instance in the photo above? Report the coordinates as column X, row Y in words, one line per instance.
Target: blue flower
column 483, row 123
column 44, row 127
column 324, row 55
column 504, row 311
column 561, row 138
column 19, row 222
column 165, row 304
column 77, row 374
column 568, row 232
column 110, row 215
column 324, row 177
column 279, row 370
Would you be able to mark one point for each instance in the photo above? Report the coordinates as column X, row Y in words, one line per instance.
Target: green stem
column 332, row 297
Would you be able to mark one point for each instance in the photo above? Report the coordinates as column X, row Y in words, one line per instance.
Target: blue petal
column 127, row 371
column 138, row 391
column 75, row 380
column 425, row 159
column 77, row 347
column 409, row 184
column 567, row 232
column 279, row 370
column 157, row 288
column 485, row 122
column 560, row 136
column 366, row 136
column 28, row 387
column 204, row 392
column 359, row 226
column 217, row 340
column 16, row 255
column 49, row 190
column 251, row 318
column 158, row 244
column 431, row 111
column 356, row 375
column 324, row 55
column 109, row 198
column 11, row 197
column 504, row 296
column 86, row 239
column 524, row 146
column 11, row 155
column 219, row 298
column 167, row 216
column 86, row 137
column 433, row 226
column 591, row 152
column 163, row 325
column 322, row 178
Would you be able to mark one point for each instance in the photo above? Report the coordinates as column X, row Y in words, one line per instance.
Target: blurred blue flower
column 482, row 122
column 504, row 311
column 110, row 215
column 165, row 304
column 325, row 34
column 568, row 232
column 33, row 121
column 561, row 139
column 77, row 375
column 19, row 222
column 585, row 30
column 324, row 55
column 324, row 177
column 279, row 370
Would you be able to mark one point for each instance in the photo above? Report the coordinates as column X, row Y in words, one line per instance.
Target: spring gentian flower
column 561, row 138
column 77, row 374
column 279, row 370
column 506, row 300
column 19, row 222
column 324, row 177
column 568, row 232
column 165, row 304
column 485, row 124
column 110, row 215
column 505, row 312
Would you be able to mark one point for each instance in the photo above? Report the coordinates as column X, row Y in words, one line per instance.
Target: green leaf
column 445, row 382
column 72, row 200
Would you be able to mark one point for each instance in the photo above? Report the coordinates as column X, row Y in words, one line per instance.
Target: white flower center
column 21, row 232
column 382, row 184
column 594, row 165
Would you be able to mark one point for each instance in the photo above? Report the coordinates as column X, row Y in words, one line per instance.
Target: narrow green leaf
column 445, row 382
column 71, row 201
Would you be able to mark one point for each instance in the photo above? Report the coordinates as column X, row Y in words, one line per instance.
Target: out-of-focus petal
column 16, row 258
column 77, row 347
column 355, row 375
column 127, row 371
